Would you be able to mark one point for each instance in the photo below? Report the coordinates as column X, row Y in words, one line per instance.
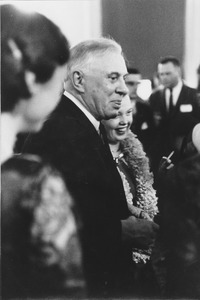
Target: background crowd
column 92, row 204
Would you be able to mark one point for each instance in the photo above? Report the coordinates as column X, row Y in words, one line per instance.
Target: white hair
column 83, row 54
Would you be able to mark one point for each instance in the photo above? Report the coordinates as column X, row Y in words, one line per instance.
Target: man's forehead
column 109, row 58
column 166, row 67
column 110, row 63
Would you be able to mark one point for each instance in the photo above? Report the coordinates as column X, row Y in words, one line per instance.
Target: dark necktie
column 171, row 106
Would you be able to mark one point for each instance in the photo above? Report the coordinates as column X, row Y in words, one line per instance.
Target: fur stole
column 138, row 163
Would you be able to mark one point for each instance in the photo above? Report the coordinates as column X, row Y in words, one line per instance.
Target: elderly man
column 175, row 109
column 74, row 142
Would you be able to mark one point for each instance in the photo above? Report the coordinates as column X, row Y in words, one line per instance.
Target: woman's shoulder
column 133, row 144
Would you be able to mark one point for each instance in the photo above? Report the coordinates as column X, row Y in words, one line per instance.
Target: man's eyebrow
column 114, row 73
column 117, row 74
column 131, row 82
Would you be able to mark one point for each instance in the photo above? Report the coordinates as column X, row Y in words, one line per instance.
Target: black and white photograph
column 100, row 150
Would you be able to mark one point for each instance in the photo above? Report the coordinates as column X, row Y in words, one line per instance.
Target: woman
column 34, row 56
column 133, row 166
column 41, row 253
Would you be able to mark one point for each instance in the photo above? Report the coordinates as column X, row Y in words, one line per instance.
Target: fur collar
column 136, row 158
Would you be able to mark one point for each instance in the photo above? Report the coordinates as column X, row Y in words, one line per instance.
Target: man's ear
column 77, row 79
column 31, row 83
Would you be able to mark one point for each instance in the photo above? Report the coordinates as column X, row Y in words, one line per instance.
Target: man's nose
column 122, row 88
column 163, row 77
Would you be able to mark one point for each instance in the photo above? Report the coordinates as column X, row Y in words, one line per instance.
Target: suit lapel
column 97, row 142
column 99, row 148
column 163, row 103
column 179, row 101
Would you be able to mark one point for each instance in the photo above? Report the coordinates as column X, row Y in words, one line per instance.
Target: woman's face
column 118, row 127
column 45, row 97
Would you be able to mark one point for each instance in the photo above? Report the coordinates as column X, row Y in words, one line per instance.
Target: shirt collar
column 178, row 87
column 175, row 92
column 9, row 132
column 84, row 110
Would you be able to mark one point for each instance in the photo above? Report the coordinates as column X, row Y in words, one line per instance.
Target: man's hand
column 165, row 163
column 139, row 232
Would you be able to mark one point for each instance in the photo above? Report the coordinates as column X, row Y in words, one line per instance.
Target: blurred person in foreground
column 191, row 143
column 142, row 124
column 34, row 54
column 133, row 166
column 176, row 256
column 41, row 251
column 73, row 140
column 175, row 110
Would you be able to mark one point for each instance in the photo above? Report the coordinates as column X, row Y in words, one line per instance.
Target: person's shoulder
column 131, row 142
column 62, row 108
column 60, row 124
column 189, row 88
column 65, row 112
column 156, row 94
column 191, row 96
column 140, row 101
column 143, row 104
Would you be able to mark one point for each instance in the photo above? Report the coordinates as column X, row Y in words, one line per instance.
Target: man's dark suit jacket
column 143, row 124
column 170, row 130
column 70, row 141
column 180, row 229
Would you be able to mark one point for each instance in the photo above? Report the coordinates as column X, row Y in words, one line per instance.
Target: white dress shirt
column 175, row 94
column 9, row 131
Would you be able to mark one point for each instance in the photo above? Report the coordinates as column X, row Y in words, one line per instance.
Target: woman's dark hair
column 29, row 42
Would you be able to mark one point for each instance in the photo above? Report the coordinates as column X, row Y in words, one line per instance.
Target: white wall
column 192, row 42
column 78, row 19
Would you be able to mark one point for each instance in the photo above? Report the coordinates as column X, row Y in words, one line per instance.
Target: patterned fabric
column 140, row 173
column 133, row 166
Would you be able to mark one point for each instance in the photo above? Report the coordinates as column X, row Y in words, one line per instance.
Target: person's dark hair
column 172, row 59
column 133, row 71
column 28, row 42
column 36, row 215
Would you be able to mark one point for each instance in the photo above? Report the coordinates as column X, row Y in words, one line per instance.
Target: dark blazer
column 170, row 130
column 70, row 141
column 180, row 229
column 143, row 124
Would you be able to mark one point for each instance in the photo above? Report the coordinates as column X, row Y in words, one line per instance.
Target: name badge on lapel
column 185, row 108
